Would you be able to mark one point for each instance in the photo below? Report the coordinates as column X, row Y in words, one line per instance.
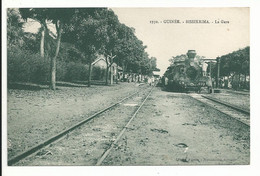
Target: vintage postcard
column 122, row 85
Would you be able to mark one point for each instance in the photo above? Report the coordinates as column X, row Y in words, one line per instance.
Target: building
column 114, row 70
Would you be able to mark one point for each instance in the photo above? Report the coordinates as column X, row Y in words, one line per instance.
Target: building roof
column 99, row 58
column 209, row 60
column 102, row 58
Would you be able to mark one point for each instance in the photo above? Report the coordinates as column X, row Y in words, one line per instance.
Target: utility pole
column 210, row 75
column 210, row 69
column 218, row 73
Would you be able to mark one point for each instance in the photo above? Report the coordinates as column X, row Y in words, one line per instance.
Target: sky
column 165, row 40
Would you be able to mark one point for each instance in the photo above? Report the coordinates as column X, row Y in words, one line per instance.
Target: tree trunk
column 109, row 62
column 239, row 81
column 89, row 73
column 111, row 75
column 124, row 70
column 42, row 42
column 53, row 60
column 107, row 70
column 44, row 33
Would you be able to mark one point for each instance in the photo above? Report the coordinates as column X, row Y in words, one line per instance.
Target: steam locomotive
column 187, row 74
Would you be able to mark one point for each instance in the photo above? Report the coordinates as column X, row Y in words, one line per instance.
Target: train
column 188, row 73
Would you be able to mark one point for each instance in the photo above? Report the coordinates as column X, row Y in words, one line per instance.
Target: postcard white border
column 242, row 170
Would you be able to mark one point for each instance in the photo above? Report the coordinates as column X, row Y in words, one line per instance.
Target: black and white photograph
column 95, row 86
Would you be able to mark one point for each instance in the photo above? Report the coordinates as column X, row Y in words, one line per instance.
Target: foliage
column 31, row 42
column 62, row 68
column 14, row 28
column 69, row 53
column 26, row 66
column 81, row 33
column 98, row 30
column 184, row 57
column 181, row 57
column 237, row 62
column 85, row 30
column 29, row 67
column 76, row 72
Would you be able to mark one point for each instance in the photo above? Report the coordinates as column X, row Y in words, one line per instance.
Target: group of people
column 151, row 80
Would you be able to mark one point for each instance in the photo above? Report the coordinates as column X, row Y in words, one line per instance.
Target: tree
column 59, row 17
column 153, row 63
column 110, row 42
column 235, row 64
column 135, row 53
column 87, row 32
column 40, row 15
column 97, row 31
column 14, row 28
column 181, row 57
column 124, row 46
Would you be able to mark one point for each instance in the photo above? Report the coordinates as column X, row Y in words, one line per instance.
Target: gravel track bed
column 174, row 129
column 85, row 145
column 232, row 98
column 170, row 129
column 34, row 116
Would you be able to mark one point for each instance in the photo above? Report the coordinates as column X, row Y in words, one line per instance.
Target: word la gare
column 221, row 21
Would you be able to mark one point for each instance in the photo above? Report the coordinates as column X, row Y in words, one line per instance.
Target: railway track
column 237, row 113
column 238, row 92
column 54, row 138
column 106, row 153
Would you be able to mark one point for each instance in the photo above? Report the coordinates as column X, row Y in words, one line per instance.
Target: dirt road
column 34, row 116
column 170, row 129
column 174, row 129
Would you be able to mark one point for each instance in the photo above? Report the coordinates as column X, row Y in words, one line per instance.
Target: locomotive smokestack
column 191, row 54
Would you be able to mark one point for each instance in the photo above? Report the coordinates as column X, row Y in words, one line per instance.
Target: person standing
column 166, row 81
column 209, row 84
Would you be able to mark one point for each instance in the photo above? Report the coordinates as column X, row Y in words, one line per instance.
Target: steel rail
column 238, row 92
column 248, row 125
column 54, row 138
column 106, row 153
column 228, row 104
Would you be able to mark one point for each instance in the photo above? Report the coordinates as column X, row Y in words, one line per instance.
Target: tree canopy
column 237, row 62
column 81, row 34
